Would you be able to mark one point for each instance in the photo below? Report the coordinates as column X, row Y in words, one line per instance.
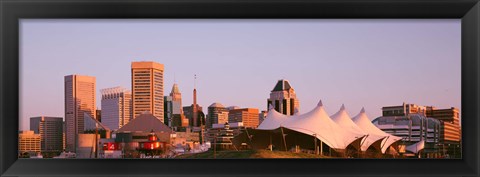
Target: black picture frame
column 13, row 10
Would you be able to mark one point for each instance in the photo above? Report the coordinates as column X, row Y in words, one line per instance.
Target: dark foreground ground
column 247, row 154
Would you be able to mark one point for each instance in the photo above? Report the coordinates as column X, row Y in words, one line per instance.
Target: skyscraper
column 116, row 107
column 51, row 132
column 173, row 108
column 79, row 99
column 147, row 89
column 283, row 98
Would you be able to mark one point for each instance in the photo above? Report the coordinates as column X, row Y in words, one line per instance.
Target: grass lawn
column 248, row 154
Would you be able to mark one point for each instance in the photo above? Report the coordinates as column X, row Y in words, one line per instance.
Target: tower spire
column 194, row 107
column 195, row 81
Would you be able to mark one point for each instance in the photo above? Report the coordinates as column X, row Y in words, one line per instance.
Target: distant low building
column 248, row 116
column 413, row 128
column 449, row 135
column 29, row 142
column 236, row 128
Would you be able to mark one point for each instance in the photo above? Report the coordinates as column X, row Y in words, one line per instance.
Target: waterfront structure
column 413, row 128
column 116, row 107
column 314, row 131
column 29, row 142
column 139, row 129
column 147, row 89
column 449, row 140
column 283, row 98
column 450, row 132
column 248, row 116
column 87, row 146
column 217, row 114
column 237, row 128
column 79, row 99
column 51, row 132
column 223, row 138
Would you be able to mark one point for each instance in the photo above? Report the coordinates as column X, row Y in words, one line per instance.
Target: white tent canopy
column 316, row 123
column 343, row 120
column 367, row 126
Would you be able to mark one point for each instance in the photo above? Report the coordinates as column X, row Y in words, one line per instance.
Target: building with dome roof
column 217, row 114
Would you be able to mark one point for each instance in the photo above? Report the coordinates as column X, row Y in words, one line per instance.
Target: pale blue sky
column 361, row 63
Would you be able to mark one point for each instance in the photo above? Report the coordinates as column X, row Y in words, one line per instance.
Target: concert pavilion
column 316, row 132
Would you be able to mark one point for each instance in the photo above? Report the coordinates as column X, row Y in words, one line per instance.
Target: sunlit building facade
column 248, row 116
column 116, row 107
column 283, row 98
column 217, row 114
column 80, row 98
column 29, row 142
column 147, row 89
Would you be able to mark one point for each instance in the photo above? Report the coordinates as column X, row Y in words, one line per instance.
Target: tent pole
column 284, row 142
column 321, row 147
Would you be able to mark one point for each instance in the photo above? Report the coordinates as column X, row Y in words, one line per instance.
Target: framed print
column 239, row 88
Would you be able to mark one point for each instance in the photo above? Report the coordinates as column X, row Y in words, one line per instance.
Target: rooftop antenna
column 195, row 81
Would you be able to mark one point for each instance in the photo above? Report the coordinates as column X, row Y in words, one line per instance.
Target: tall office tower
column 147, row 89
column 51, row 132
column 249, row 117
column 79, row 99
column 116, row 107
column 283, row 98
column 217, row 114
column 176, row 100
column 29, row 142
column 173, row 108
column 167, row 110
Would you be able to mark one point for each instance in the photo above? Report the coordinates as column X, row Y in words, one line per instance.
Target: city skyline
column 251, row 63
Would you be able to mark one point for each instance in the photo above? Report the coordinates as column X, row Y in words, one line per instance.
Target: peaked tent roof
column 145, row 123
column 343, row 120
column 315, row 122
column 273, row 120
column 364, row 122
